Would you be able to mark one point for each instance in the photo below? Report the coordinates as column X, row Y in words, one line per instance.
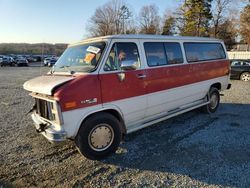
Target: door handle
column 141, row 76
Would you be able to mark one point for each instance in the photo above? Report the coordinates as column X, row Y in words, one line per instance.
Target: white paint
column 45, row 84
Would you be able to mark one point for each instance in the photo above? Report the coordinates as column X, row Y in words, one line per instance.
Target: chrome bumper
column 48, row 130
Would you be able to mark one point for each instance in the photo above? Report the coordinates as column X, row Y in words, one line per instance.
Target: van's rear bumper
column 47, row 130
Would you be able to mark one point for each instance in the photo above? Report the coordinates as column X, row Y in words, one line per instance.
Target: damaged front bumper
column 48, row 129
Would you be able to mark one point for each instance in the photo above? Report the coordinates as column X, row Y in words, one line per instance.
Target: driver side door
column 124, row 89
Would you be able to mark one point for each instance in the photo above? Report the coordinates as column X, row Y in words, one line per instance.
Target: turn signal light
column 70, row 104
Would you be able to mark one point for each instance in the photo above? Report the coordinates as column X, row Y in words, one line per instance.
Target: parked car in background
column 52, row 62
column 22, row 62
column 7, row 61
column 240, row 69
column 1, row 59
column 46, row 61
column 38, row 57
column 31, row 59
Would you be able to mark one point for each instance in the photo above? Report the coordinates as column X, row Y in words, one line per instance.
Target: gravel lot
column 191, row 150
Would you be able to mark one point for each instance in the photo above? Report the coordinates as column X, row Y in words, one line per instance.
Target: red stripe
column 176, row 76
column 108, row 87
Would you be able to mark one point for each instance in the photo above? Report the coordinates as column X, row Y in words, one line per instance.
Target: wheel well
column 217, row 85
column 115, row 114
column 244, row 72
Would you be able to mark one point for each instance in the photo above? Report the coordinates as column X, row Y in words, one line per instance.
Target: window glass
column 155, row 53
column 122, row 52
column 240, row 63
column 174, row 54
column 80, row 58
column 236, row 63
column 203, row 51
column 246, row 63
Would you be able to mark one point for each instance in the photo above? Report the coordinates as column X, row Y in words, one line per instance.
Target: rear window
column 203, row 51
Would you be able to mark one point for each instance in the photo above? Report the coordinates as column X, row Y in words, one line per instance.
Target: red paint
column 82, row 88
column 114, row 89
column 175, row 76
column 107, row 87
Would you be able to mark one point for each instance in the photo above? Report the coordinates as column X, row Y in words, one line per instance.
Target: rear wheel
column 99, row 136
column 245, row 76
column 214, row 98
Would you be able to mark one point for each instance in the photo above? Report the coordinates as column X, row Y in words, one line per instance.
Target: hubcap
column 245, row 77
column 213, row 101
column 101, row 137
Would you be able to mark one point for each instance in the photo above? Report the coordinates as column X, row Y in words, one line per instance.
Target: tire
column 99, row 136
column 245, row 76
column 214, row 97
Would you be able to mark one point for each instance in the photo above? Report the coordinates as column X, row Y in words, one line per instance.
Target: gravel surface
column 190, row 150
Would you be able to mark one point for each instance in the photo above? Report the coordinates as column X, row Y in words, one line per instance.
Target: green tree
column 245, row 24
column 169, row 26
column 195, row 16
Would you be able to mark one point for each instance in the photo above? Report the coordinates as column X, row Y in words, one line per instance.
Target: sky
column 56, row 21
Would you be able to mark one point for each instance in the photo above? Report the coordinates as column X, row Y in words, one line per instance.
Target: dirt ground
column 190, row 150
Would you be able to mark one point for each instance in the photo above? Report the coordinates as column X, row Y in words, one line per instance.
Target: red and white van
column 105, row 87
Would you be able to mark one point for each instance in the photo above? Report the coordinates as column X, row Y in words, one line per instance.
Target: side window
column 122, row 52
column 174, row 53
column 155, row 53
column 197, row 51
column 236, row 63
column 245, row 63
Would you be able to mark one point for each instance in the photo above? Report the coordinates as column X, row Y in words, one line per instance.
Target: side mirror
column 129, row 65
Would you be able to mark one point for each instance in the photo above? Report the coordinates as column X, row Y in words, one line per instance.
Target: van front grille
column 45, row 109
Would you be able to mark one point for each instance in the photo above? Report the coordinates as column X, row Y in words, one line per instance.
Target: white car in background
column 46, row 61
column 49, row 61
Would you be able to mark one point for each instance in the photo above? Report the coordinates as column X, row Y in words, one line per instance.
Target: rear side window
column 174, row 54
column 155, row 53
column 203, row 51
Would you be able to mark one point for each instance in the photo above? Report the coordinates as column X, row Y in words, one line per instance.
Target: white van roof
column 148, row 36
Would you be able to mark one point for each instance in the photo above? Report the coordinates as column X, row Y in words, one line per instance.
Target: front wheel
column 245, row 76
column 214, row 98
column 99, row 136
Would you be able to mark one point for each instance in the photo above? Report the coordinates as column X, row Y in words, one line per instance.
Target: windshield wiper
column 67, row 67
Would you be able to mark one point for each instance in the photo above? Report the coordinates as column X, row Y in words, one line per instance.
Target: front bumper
column 48, row 130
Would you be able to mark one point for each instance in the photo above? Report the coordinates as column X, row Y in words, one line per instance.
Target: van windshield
column 80, row 58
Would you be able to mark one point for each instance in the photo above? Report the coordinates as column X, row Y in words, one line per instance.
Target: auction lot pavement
column 190, row 150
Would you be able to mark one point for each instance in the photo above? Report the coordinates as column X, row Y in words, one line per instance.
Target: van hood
column 45, row 84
